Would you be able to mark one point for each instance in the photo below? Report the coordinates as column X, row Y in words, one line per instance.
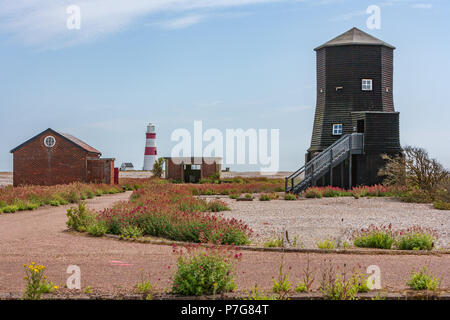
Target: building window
column 337, row 129
column 366, row 84
column 195, row 167
column 49, row 141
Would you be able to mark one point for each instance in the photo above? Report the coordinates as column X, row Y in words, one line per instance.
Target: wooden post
column 331, row 167
column 342, row 174
column 350, row 163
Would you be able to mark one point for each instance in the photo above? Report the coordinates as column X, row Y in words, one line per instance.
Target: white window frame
column 196, row 166
column 367, row 85
column 50, row 139
column 337, row 129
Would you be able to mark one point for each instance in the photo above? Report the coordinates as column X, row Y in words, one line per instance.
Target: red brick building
column 52, row 157
column 191, row 169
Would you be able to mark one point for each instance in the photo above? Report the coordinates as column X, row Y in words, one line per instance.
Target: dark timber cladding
column 355, row 93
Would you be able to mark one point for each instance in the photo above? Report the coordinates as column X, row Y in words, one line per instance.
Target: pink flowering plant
column 171, row 211
column 357, row 192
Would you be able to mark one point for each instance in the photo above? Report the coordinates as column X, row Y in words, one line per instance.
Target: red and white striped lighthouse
column 150, row 147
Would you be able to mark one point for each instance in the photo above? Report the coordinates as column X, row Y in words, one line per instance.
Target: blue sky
column 230, row 63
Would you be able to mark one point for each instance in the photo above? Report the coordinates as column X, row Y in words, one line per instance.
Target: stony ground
column 112, row 266
column 314, row 220
column 6, row 178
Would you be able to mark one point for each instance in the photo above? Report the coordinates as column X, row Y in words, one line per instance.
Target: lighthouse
column 150, row 147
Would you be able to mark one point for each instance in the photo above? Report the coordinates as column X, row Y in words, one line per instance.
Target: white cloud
column 182, row 22
column 349, row 16
column 422, row 6
column 43, row 22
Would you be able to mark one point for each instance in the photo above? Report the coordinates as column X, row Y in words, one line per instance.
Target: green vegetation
column 36, row 283
column 383, row 237
column 204, row 271
column 290, row 196
column 13, row 199
column 326, row 244
column 158, row 168
column 423, row 280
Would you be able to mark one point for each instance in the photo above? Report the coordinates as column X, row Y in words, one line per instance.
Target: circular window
column 49, row 141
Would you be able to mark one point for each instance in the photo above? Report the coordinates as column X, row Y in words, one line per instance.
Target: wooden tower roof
column 354, row 36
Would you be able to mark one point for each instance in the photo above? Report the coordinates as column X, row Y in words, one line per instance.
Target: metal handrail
column 325, row 159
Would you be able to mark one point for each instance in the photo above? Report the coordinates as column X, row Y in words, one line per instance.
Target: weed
column 258, row 294
column 423, row 280
column 204, row 270
column 35, row 282
column 282, row 285
column 326, row 244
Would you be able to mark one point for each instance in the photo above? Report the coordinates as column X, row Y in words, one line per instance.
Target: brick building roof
column 79, row 143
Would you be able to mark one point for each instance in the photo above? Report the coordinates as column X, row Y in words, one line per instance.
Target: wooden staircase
column 323, row 163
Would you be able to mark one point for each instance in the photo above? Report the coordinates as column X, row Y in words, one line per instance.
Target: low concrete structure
column 191, row 169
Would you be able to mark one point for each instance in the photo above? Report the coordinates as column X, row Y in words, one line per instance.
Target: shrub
column 416, row 171
column 265, row 197
column 171, row 211
column 441, row 205
column 203, row 271
column 54, row 203
column 415, row 238
column 383, row 237
column 130, row 231
column 290, row 196
column 217, row 206
column 234, row 196
column 326, row 244
column 375, row 237
column 423, row 280
column 416, row 195
column 97, row 228
column 313, row 193
column 10, row 209
column 79, row 218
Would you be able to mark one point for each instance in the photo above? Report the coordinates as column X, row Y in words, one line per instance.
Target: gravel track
column 111, row 266
column 313, row 220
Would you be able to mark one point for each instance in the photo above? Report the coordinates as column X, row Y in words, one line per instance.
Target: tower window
column 366, row 84
column 337, row 129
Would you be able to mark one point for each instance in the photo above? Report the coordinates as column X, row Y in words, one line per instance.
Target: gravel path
column 313, row 220
column 111, row 266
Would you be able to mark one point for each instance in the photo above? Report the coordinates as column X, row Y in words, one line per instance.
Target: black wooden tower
column 355, row 121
